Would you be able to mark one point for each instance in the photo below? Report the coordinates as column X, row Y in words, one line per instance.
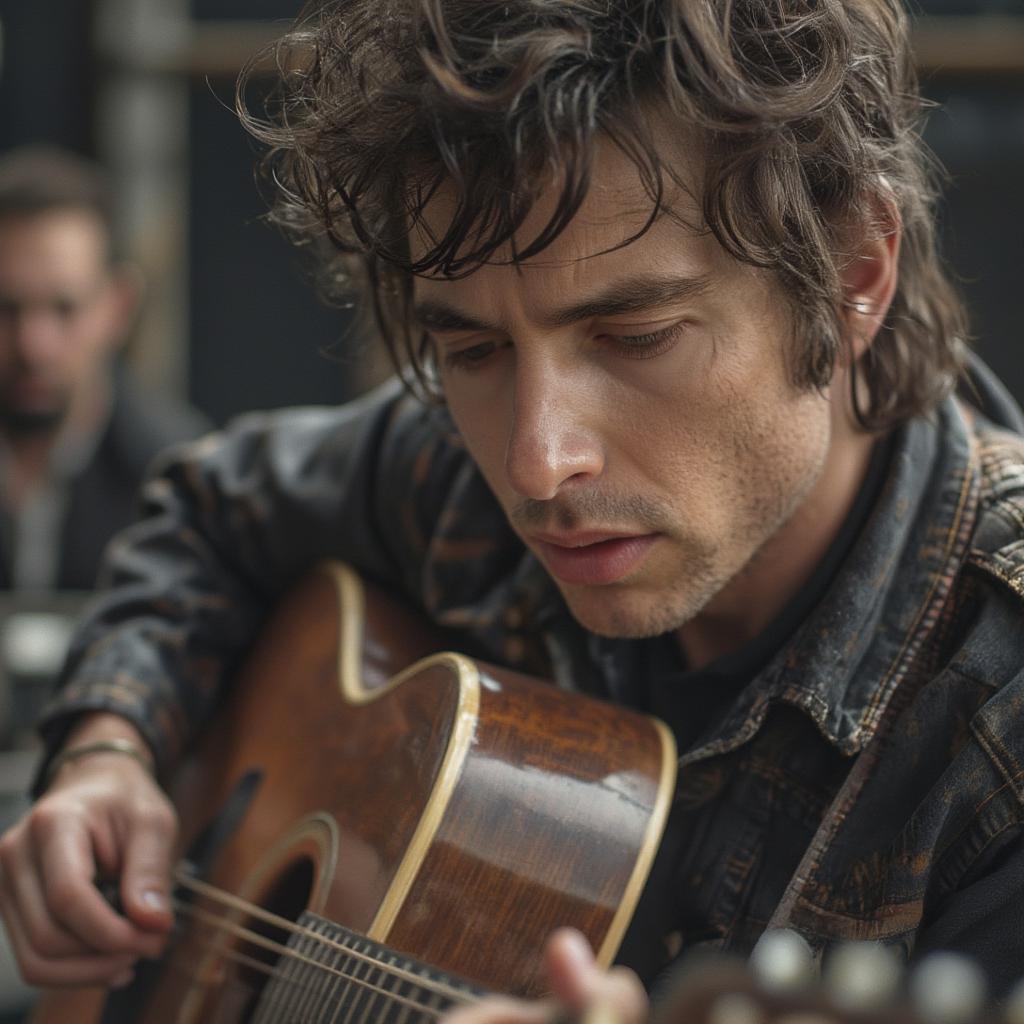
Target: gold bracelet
column 98, row 747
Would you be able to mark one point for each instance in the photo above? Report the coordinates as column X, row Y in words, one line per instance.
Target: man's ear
column 869, row 274
column 127, row 286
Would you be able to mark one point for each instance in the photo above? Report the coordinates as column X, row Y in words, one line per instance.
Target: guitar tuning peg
column 946, row 988
column 862, row 975
column 782, row 960
column 1013, row 1007
column 734, row 1008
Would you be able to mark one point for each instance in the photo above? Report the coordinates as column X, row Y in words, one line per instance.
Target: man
column 75, row 434
column 671, row 267
column 75, row 437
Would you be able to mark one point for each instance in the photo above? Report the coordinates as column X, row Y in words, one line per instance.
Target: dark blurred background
column 231, row 321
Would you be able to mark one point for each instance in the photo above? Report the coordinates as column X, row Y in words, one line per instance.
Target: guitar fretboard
column 331, row 975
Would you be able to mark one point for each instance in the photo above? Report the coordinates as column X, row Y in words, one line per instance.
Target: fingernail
column 154, row 900
column 123, row 979
column 578, row 945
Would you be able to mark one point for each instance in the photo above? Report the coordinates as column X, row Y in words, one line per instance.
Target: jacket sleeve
column 227, row 524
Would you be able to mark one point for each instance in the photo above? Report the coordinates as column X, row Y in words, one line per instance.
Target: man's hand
column 581, row 991
column 103, row 816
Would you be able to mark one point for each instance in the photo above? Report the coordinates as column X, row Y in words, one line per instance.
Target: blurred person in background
column 75, row 434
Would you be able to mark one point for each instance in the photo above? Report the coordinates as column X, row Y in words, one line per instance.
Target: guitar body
column 448, row 810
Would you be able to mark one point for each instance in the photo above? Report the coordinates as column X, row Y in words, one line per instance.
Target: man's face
column 632, row 410
column 59, row 315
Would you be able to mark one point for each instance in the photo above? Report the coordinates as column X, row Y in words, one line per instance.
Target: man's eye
column 469, row 358
column 65, row 309
column 646, row 346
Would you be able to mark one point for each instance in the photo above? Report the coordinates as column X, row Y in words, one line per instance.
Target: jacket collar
column 850, row 655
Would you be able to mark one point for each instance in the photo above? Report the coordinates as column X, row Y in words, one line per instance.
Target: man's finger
column 22, row 900
column 589, row 992
column 146, row 875
column 85, row 969
column 571, row 968
column 502, row 1010
column 71, row 898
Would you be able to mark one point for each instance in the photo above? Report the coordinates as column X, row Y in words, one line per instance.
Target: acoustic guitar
column 372, row 832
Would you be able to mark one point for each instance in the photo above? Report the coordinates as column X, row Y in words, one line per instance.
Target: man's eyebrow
column 433, row 315
column 631, row 295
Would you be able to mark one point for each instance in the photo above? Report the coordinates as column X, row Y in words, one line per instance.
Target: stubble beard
column 615, row 613
column 612, row 610
column 27, row 424
column 21, row 423
column 704, row 572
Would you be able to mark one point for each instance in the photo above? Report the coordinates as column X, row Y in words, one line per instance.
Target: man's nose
column 553, row 437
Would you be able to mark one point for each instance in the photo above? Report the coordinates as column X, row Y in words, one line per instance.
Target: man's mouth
column 592, row 558
column 30, row 389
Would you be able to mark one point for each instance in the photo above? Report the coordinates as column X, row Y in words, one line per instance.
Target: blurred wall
column 259, row 335
column 46, row 76
column 978, row 133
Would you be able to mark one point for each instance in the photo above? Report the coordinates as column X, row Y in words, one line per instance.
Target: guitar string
column 228, row 899
column 299, row 987
column 261, row 967
column 233, row 956
column 254, row 938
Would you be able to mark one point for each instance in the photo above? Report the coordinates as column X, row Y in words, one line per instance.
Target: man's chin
column 622, row 616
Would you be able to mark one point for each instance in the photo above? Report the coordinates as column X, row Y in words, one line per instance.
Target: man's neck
column 28, row 463
column 756, row 596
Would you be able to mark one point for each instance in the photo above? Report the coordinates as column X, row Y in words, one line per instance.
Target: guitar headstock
column 859, row 983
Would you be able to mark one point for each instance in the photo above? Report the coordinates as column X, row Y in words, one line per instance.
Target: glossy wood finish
column 457, row 812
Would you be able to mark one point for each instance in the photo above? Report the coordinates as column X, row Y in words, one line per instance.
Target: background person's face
column 648, row 456
column 60, row 313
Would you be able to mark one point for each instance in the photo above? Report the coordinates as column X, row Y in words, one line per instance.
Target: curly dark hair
column 808, row 110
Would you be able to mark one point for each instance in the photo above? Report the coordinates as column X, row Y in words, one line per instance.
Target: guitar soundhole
column 288, row 898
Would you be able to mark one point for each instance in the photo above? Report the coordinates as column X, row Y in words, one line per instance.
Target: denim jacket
column 868, row 783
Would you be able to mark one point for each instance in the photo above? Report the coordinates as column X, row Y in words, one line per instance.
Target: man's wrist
column 75, row 752
column 104, row 725
column 102, row 732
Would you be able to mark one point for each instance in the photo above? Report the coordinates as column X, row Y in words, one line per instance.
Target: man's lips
column 593, row 558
